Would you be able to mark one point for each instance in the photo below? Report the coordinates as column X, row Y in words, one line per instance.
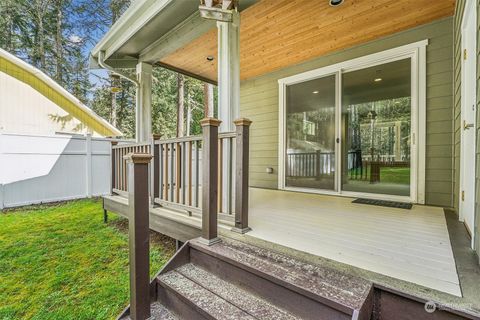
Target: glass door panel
column 376, row 126
column 310, row 134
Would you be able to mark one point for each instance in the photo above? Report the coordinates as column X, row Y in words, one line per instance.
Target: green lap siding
column 260, row 103
column 460, row 7
column 457, row 74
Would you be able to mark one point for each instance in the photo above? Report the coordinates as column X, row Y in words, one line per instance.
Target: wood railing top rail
column 177, row 140
column 224, row 135
column 130, row 145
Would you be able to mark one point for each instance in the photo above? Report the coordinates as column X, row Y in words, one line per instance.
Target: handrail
column 181, row 139
column 126, row 145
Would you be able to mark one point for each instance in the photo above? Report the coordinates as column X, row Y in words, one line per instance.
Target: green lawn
column 395, row 175
column 63, row 262
column 391, row 175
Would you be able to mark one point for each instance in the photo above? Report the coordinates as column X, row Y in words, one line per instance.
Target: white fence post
column 88, row 145
column 1, row 197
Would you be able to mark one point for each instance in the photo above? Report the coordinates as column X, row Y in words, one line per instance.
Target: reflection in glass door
column 310, row 134
column 376, row 129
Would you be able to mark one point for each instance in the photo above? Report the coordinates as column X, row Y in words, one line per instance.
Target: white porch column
column 229, row 71
column 228, row 89
column 143, row 111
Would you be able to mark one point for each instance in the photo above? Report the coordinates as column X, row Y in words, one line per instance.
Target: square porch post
column 143, row 110
column 139, row 235
column 209, row 181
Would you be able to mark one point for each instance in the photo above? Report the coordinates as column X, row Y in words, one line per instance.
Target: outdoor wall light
column 210, row 58
column 335, row 3
column 378, row 79
column 315, row 92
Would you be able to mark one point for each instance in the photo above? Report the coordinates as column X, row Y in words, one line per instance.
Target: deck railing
column 119, row 163
column 178, row 176
column 176, row 170
column 320, row 164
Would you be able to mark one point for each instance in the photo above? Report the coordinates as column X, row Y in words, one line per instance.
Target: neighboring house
column 349, row 99
column 54, row 147
column 33, row 103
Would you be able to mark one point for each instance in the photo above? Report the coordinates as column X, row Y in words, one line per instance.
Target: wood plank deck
column 411, row 245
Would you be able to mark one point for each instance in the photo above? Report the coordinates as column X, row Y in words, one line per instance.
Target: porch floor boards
column 411, row 245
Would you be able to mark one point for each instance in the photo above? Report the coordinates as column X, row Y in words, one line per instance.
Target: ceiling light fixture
column 335, row 3
column 210, row 58
column 315, row 92
column 378, row 79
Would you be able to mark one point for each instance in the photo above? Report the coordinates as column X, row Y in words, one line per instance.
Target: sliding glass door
column 376, row 129
column 310, row 134
column 350, row 131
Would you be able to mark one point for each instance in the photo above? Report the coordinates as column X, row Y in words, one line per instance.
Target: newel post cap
column 156, row 136
column 243, row 122
column 141, row 158
column 114, row 143
column 210, row 122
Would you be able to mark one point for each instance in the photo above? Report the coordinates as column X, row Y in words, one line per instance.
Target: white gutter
column 101, row 62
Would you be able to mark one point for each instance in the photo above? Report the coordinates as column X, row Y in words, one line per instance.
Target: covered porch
column 196, row 184
column 410, row 245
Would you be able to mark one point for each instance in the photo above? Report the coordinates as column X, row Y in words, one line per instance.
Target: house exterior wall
column 25, row 110
column 477, row 173
column 260, row 102
column 459, row 10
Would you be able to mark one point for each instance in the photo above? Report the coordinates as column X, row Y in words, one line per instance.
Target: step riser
column 391, row 306
column 291, row 301
column 178, row 305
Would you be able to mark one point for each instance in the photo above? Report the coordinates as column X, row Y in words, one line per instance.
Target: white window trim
column 417, row 53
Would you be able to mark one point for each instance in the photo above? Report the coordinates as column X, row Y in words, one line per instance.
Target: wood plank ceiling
column 278, row 33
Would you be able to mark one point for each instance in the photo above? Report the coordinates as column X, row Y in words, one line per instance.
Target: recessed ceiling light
column 315, row 92
column 378, row 79
column 335, row 3
column 210, row 58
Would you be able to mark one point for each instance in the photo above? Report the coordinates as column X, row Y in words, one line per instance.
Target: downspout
column 101, row 62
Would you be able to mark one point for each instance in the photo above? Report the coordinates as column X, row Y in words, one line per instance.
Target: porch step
column 215, row 298
column 304, row 290
column 158, row 312
column 234, row 280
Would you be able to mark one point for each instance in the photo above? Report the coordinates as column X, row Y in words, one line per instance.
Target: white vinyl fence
column 38, row 169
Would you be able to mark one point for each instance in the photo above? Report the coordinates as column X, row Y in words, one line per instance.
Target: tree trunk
column 208, row 100
column 58, row 43
column 113, row 117
column 180, row 105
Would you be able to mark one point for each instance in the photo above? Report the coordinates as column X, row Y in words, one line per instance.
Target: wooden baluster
column 112, row 155
column 160, row 168
column 139, row 233
column 165, row 181
column 178, row 171
column 230, row 176
column 197, row 173
column 172, row 172
column 190, row 159
column 209, row 180
column 241, row 175
column 120, row 185
column 220, row 175
column 155, row 168
column 183, row 173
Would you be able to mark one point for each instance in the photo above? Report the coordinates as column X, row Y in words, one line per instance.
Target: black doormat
column 384, row 203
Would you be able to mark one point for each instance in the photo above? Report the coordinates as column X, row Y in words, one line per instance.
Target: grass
column 392, row 175
column 395, row 175
column 63, row 262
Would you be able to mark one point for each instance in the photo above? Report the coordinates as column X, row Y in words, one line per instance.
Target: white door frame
column 417, row 53
column 466, row 75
